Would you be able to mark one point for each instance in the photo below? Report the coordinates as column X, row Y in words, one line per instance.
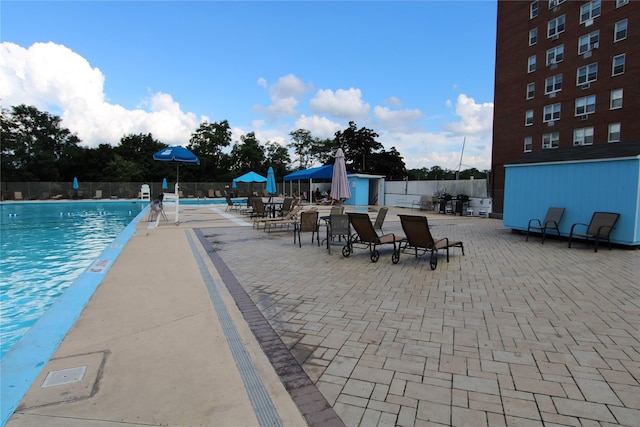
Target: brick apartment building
column 567, row 75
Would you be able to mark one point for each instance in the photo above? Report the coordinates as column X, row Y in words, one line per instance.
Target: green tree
column 139, row 150
column 390, row 164
column 301, row 144
column 207, row 143
column 248, row 155
column 277, row 157
column 359, row 147
column 32, row 144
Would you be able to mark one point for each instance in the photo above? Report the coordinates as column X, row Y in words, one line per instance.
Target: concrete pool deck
column 213, row 322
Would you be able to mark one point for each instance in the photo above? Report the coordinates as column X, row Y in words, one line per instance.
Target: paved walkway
column 214, row 323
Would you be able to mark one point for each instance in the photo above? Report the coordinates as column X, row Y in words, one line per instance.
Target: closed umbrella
column 271, row 182
column 75, row 183
column 164, row 184
column 339, row 182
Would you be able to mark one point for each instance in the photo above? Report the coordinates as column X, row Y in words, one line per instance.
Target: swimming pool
column 45, row 246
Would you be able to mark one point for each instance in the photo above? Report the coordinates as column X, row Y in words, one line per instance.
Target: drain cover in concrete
column 65, row 376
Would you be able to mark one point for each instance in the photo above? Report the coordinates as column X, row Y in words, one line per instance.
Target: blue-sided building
column 583, row 180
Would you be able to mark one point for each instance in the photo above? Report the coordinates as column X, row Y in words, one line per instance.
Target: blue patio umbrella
column 271, row 182
column 248, row 177
column 164, row 184
column 177, row 154
column 75, row 183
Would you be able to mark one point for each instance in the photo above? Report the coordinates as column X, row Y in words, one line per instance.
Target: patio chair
column 551, row 222
column 338, row 228
column 145, row 192
column 218, row 194
column 259, row 208
column 420, row 241
column 337, row 210
column 308, row 223
column 599, row 228
column 17, row 195
column 425, row 203
column 366, row 237
column 249, row 207
column 211, row 193
column 98, row 194
column 382, row 214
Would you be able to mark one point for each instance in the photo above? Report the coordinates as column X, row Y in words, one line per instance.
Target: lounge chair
column 599, row 228
column 551, row 222
column 218, row 193
column 289, row 219
column 308, row 223
column 420, row 241
column 17, row 195
column 338, row 230
column 98, row 194
column 211, row 193
column 365, row 236
column 231, row 204
column 382, row 214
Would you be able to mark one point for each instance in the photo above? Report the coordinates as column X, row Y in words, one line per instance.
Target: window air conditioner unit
column 587, row 54
column 555, row 37
column 595, row 45
column 585, row 86
column 553, row 66
column 584, row 117
column 551, row 123
column 552, row 95
column 588, row 22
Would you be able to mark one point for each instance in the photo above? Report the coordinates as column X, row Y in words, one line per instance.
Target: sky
column 418, row 73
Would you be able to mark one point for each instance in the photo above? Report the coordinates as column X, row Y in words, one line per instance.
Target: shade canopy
column 321, row 172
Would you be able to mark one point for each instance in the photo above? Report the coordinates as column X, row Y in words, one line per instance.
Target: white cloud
column 343, row 104
column 475, row 118
column 51, row 76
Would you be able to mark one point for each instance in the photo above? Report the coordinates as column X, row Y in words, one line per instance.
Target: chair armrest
column 574, row 225
column 536, row 220
column 553, row 224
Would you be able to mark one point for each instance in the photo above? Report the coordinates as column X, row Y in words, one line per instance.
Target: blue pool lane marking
column 23, row 362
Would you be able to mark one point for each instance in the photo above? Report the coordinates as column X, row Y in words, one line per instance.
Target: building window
column 528, row 118
column 551, row 113
column 554, row 3
column 617, row 67
column 589, row 11
column 533, row 9
column 620, row 30
column 614, row 132
column 531, row 67
column 586, row 105
column 528, row 144
column 588, row 42
column 587, row 74
column 616, row 99
column 531, row 90
column 533, row 36
column 551, row 140
column 553, row 84
column 583, row 136
column 621, row 2
column 555, row 55
column 555, row 27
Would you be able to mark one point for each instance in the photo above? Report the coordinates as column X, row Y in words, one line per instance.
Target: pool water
column 45, row 246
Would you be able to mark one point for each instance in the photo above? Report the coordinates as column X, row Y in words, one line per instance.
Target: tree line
column 36, row 147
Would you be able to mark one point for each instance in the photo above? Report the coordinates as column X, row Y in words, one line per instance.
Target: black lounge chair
column 420, row 241
column 551, row 222
column 365, row 236
column 599, row 228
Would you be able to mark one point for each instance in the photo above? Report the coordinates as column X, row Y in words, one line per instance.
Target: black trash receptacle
column 462, row 202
